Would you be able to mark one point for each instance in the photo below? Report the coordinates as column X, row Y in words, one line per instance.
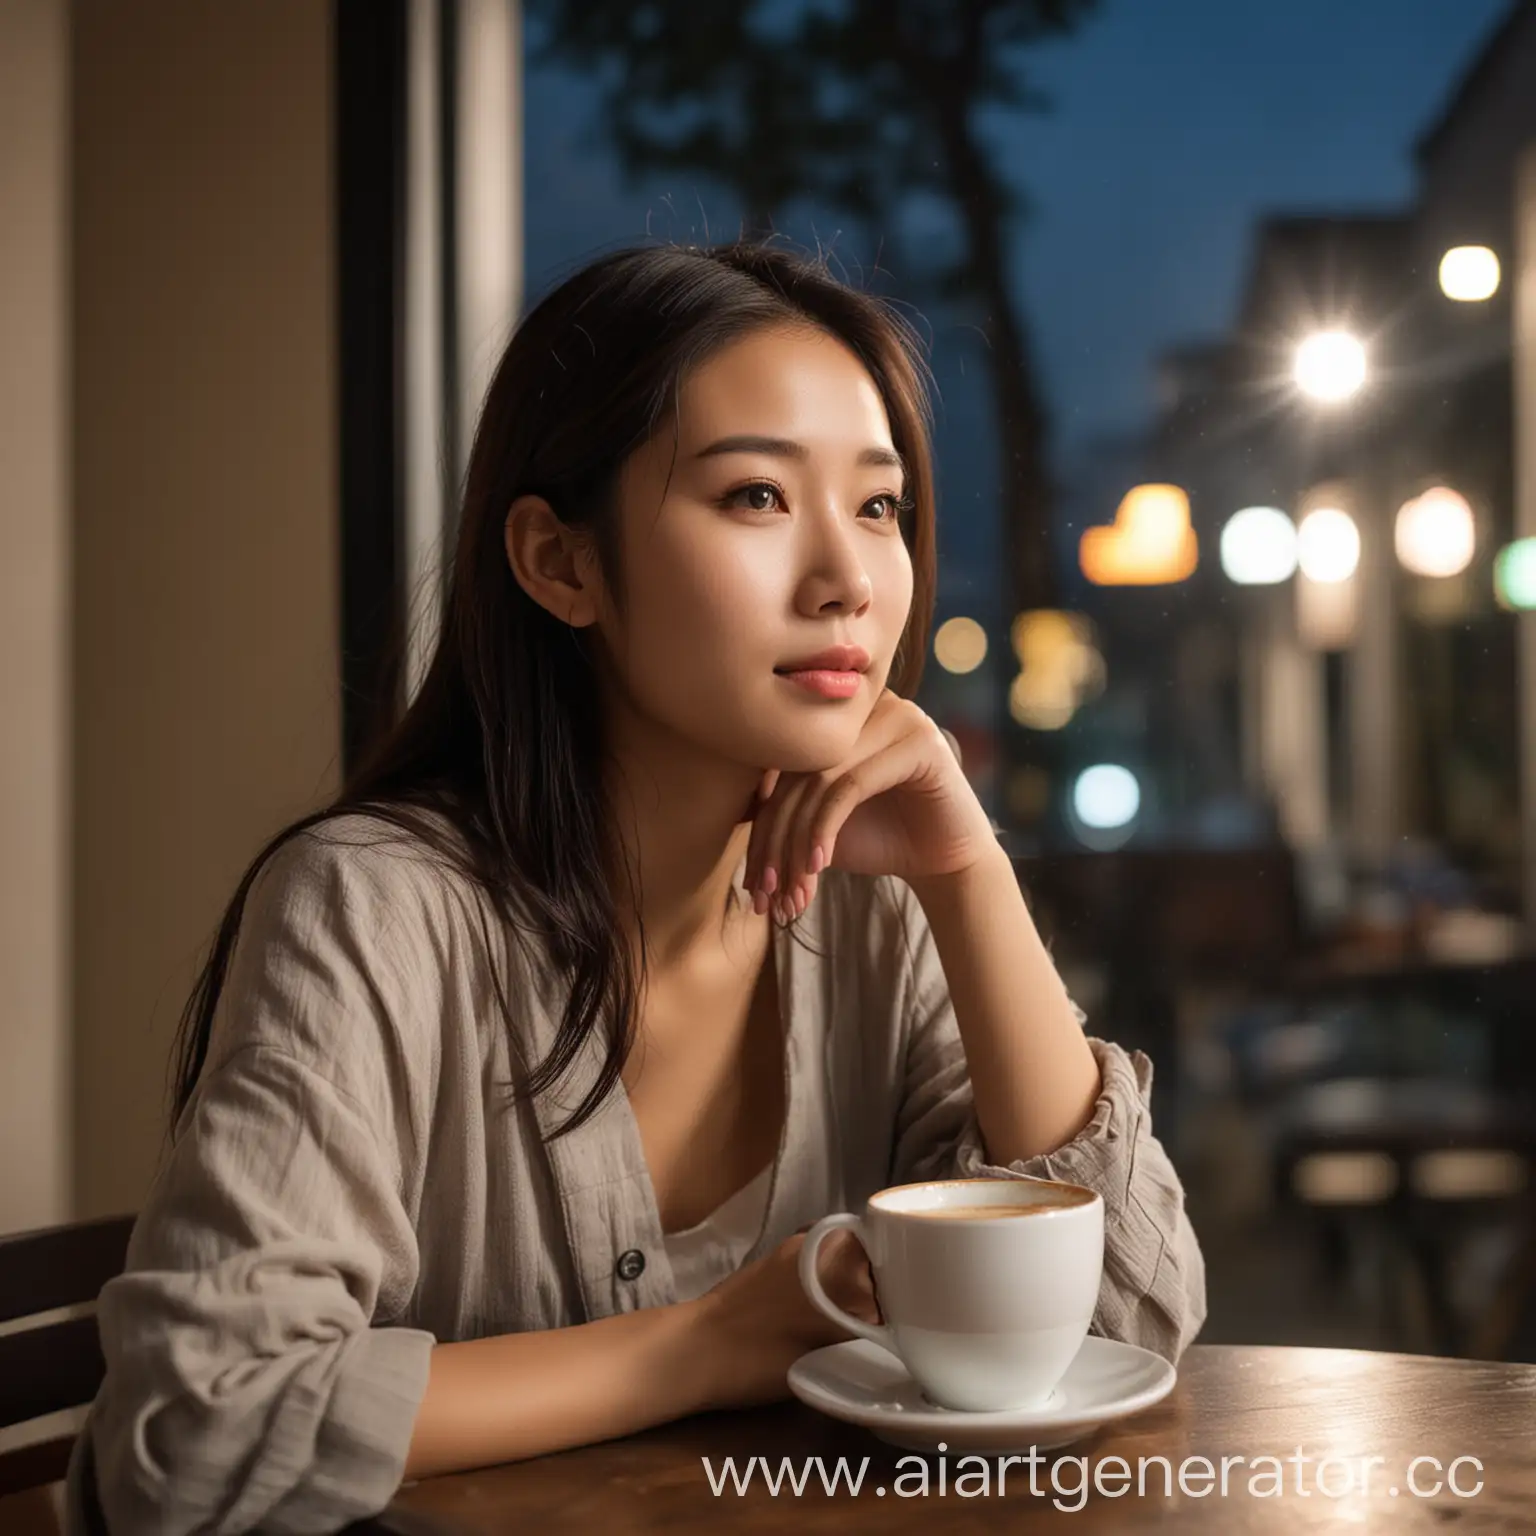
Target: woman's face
column 762, row 531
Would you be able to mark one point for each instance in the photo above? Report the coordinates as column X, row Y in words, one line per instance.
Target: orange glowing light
column 1060, row 666
column 1151, row 541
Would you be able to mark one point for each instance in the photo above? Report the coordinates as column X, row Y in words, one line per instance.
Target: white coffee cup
column 987, row 1286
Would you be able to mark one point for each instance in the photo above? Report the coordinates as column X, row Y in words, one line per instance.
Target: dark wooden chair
column 56, row 1365
column 1390, row 1143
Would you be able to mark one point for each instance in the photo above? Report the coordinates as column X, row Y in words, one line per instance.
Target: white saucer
column 861, row 1383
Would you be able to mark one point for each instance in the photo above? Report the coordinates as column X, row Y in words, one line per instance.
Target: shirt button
column 631, row 1264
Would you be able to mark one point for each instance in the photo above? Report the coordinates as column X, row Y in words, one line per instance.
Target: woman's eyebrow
column 787, row 448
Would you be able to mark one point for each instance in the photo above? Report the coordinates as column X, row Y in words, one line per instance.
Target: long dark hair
column 504, row 737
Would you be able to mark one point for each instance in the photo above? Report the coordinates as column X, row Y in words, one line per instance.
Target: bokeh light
column 1469, row 273
column 1330, row 365
column 1514, row 574
column 1328, row 545
column 960, row 645
column 1106, row 796
column 1151, row 541
column 1060, row 666
column 1258, row 547
column 1435, row 534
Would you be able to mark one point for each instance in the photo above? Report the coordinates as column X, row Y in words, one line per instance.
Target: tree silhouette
column 860, row 106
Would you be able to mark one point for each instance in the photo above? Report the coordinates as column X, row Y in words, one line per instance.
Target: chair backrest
column 57, row 1364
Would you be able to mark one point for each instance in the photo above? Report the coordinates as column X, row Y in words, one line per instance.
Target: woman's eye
column 760, row 496
column 891, row 507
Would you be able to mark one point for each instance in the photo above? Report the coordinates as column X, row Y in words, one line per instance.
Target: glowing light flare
column 1150, row 543
column 1330, row 366
column 1435, row 534
column 1514, row 574
column 1328, row 545
column 1258, row 547
column 1106, row 796
column 960, row 645
column 1060, row 667
column 1038, row 709
column 1469, row 274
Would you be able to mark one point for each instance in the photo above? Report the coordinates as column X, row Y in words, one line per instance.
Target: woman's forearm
column 526, row 1394
column 1032, row 1071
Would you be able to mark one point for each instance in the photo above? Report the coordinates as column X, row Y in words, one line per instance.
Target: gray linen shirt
column 349, row 1183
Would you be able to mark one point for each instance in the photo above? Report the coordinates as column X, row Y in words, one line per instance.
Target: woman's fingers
column 799, row 850
column 762, row 828
column 767, row 853
column 847, row 1278
column 795, row 829
column 890, row 766
column 795, row 896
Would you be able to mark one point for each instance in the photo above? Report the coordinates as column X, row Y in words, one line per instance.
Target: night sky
column 1177, row 123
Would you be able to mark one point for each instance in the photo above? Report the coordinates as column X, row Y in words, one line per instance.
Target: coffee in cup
column 987, row 1286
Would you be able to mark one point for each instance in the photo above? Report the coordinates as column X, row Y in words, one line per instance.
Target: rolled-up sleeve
column 246, row 1385
column 1153, row 1288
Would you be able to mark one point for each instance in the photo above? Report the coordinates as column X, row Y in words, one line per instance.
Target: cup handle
column 811, row 1281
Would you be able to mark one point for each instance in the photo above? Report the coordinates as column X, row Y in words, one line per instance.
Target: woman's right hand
column 758, row 1321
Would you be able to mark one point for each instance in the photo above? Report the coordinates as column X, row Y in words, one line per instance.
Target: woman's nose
column 835, row 573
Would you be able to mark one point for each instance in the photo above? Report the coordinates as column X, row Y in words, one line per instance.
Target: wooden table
column 1247, row 1402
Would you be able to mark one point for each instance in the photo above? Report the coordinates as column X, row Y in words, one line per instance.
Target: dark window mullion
column 370, row 64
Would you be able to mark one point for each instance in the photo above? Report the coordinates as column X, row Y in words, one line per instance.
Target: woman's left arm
column 1034, row 1076
column 1001, row 1082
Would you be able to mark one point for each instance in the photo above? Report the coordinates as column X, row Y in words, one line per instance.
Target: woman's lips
column 829, row 685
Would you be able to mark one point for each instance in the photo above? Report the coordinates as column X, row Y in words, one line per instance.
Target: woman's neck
column 684, row 825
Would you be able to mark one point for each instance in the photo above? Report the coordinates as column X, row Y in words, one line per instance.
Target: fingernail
column 816, row 859
column 759, row 902
column 770, row 879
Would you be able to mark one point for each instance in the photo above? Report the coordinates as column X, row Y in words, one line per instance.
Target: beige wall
column 206, row 703
column 34, row 639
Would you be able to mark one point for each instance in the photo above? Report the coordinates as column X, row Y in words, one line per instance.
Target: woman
column 662, row 924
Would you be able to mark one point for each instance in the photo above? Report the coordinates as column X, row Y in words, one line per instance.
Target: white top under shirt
column 704, row 1254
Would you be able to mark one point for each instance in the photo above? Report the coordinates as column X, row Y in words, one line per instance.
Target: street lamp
column 1469, row 273
column 1104, row 805
column 1328, row 545
column 1435, row 534
column 1258, row 547
column 1330, row 366
column 1106, row 797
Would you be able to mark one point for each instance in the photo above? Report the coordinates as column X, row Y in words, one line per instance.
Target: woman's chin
column 810, row 751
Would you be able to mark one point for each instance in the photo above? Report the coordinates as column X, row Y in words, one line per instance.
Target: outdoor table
column 1328, row 1439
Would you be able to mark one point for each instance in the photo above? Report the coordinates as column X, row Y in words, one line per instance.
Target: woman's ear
column 552, row 562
